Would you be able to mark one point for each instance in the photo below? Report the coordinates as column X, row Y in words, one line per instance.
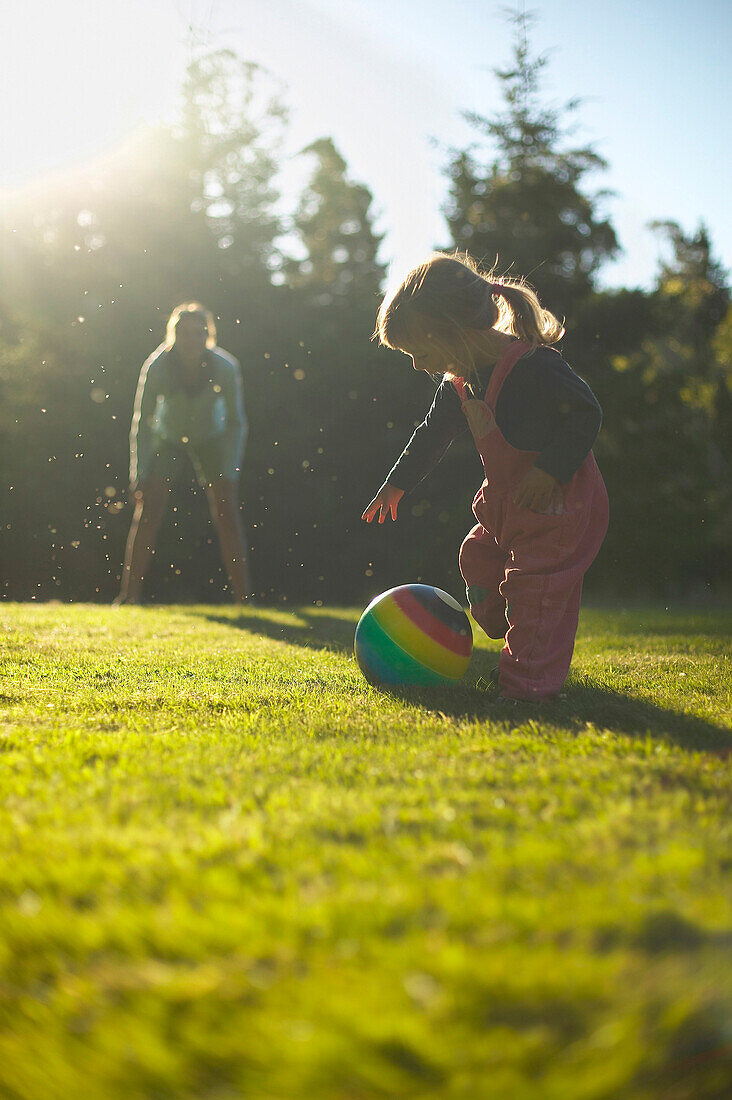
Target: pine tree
column 693, row 298
column 528, row 209
column 334, row 223
column 229, row 137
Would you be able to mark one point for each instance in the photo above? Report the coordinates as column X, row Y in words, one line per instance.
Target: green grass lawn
column 230, row 868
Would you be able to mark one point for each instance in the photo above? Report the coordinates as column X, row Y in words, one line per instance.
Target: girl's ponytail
column 521, row 314
column 448, row 296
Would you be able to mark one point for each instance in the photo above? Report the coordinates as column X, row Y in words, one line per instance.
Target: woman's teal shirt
column 167, row 415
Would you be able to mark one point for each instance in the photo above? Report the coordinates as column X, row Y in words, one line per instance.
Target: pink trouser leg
column 543, row 612
column 483, row 566
column 543, row 588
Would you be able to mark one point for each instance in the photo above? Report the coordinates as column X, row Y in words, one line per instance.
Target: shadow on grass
column 591, row 703
column 582, row 703
column 314, row 630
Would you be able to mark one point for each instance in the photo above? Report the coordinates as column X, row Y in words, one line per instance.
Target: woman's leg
column 150, row 503
column 483, row 565
column 223, row 500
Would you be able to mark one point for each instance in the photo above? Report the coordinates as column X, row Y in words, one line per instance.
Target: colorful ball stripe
column 413, row 634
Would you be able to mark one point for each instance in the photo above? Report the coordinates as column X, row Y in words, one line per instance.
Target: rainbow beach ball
column 413, row 634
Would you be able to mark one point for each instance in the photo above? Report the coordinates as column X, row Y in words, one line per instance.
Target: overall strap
column 481, row 419
column 502, row 369
column 459, row 384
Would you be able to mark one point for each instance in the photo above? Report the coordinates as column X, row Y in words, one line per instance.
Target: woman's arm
column 233, row 440
column 141, row 442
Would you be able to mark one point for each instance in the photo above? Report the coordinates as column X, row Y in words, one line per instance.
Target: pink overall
column 524, row 570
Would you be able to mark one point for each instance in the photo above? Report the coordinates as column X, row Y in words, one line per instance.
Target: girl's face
column 428, row 357
column 475, row 349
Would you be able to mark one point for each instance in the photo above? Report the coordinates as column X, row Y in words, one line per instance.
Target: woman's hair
column 448, row 295
column 191, row 309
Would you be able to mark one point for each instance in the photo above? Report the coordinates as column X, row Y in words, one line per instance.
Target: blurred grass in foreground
column 231, row 868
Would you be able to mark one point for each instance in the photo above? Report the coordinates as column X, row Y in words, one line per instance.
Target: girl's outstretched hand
column 386, row 501
column 540, row 492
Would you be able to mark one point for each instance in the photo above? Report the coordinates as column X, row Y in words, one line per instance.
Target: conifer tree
column 692, row 300
column 229, row 138
column 334, row 223
column 527, row 207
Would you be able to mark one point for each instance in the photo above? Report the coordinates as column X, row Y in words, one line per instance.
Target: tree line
column 92, row 265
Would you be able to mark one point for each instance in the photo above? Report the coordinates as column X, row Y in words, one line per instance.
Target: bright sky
column 387, row 79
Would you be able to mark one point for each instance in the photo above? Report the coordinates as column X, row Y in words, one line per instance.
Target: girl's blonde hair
column 447, row 296
column 191, row 309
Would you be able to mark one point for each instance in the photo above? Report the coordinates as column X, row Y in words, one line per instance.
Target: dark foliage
column 92, row 265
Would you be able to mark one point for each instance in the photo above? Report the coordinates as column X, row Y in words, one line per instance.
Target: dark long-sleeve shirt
column 543, row 406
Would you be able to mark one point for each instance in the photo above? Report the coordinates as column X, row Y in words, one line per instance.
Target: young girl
column 189, row 405
column 542, row 509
